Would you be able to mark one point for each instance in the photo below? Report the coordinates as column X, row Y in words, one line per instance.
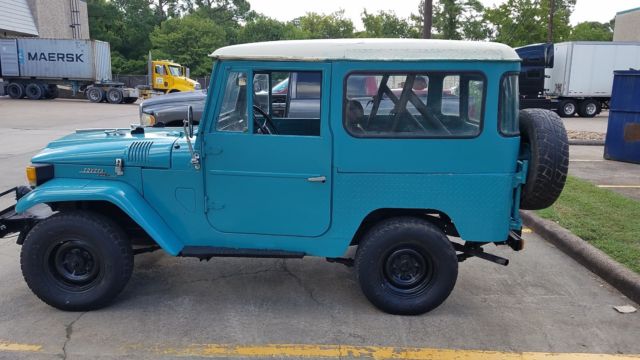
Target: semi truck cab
column 170, row 77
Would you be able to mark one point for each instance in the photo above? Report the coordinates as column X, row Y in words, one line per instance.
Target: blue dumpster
column 623, row 131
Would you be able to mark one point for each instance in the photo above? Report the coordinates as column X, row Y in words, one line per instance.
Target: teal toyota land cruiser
column 412, row 150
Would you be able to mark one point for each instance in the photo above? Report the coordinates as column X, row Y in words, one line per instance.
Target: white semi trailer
column 577, row 76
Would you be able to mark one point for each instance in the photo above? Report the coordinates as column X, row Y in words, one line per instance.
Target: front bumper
column 10, row 221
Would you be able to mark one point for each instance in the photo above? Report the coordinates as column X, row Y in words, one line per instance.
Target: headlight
column 147, row 119
column 37, row 174
column 197, row 86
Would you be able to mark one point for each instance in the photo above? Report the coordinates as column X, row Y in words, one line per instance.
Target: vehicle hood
column 151, row 149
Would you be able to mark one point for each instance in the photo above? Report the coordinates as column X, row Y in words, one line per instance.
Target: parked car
column 170, row 109
column 336, row 166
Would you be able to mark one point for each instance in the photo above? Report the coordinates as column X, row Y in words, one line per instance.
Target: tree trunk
column 428, row 19
column 552, row 10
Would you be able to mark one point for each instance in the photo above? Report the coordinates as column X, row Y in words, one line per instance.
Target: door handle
column 320, row 179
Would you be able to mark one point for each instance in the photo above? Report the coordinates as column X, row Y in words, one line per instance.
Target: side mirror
column 188, row 122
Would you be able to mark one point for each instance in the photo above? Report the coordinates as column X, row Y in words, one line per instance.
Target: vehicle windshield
column 175, row 70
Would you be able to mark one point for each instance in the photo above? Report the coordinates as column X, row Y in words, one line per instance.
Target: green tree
column 522, row 22
column 460, row 19
column 188, row 40
column 591, row 31
column 456, row 19
column 262, row 28
column 105, row 22
column 385, row 24
column 324, row 26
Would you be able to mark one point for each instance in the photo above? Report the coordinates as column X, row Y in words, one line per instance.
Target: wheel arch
column 122, row 198
column 434, row 216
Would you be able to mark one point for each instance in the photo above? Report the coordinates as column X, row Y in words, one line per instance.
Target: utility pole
column 427, row 12
column 552, row 10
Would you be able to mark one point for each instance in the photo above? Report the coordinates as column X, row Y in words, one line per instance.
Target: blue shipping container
column 623, row 130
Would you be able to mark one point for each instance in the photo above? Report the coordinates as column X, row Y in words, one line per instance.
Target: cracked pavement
column 543, row 301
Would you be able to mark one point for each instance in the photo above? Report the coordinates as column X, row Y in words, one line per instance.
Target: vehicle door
column 268, row 168
column 159, row 77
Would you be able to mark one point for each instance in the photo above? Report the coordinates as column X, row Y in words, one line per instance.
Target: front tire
column 406, row 266
column 76, row 261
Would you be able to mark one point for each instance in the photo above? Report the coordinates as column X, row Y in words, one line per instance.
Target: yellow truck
column 165, row 77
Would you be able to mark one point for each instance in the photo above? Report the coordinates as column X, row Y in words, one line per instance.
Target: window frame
column 444, row 73
column 501, row 104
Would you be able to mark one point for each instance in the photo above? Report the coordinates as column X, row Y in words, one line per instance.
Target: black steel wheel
column 34, row 91
column 408, row 270
column 15, row 90
column 76, row 261
column 115, row 96
column 406, row 266
column 94, row 94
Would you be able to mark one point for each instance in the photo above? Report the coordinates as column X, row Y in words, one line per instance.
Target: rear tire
column 567, row 108
column 34, row 91
column 95, row 94
column 76, row 261
column 589, row 108
column 544, row 135
column 15, row 90
column 51, row 91
column 406, row 266
column 115, row 96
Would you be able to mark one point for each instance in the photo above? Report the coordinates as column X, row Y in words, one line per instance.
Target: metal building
column 56, row 19
column 627, row 27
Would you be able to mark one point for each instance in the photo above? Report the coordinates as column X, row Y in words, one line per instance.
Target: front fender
column 118, row 193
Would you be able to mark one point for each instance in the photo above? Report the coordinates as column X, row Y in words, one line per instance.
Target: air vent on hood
column 139, row 152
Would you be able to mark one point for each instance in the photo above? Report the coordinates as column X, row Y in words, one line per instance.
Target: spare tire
column 544, row 138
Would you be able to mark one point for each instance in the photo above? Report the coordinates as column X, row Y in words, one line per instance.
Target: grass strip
column 605, row 219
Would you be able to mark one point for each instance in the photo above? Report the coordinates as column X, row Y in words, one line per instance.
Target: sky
column 284, row 10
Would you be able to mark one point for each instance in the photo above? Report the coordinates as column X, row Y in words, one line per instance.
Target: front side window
column 509, row 106
column 287, row 102
column 413, row 104
column 233, row 110
column 175, row 70
column 159, row 69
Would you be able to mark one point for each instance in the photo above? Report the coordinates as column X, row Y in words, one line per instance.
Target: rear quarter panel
column 469, row 179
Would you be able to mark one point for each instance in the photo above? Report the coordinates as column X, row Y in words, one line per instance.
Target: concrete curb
column 587, row 142
column 611, row 271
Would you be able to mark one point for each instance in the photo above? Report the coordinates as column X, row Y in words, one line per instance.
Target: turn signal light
column 31, row 175
column 37, row 174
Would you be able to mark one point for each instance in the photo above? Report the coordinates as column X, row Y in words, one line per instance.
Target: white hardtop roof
column 368, row 49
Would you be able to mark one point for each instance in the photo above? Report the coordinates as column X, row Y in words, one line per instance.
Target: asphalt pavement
column 543, row 302
column 588, row 163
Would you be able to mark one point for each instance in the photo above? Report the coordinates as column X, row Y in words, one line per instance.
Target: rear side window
column 509, row 106
column 413, row 105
